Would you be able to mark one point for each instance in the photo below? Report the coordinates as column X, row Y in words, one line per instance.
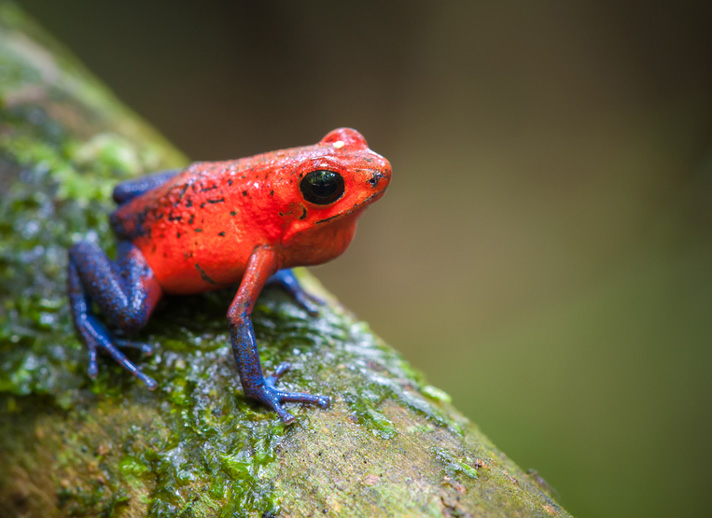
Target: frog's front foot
column 289, row 282
column 271, row 396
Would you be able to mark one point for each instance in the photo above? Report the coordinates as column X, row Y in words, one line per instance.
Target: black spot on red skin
column 233, row 213
column 244, row 193
column 204, row 275
column 221, row 233
column 271, row 193
column 197, row 230
column 192, row 218
column 216, row 200
column 304, row 213
column 180, row 196
column 177, row 235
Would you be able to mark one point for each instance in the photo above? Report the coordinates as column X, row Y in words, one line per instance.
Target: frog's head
column 337, row 180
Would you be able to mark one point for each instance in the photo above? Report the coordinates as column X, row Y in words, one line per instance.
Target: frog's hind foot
column 125, row 290
column 96, row 336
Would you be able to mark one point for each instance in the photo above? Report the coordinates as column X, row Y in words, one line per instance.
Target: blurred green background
column 544, row 252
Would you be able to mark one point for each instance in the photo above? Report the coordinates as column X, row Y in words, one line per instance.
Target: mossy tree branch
column 390, row 445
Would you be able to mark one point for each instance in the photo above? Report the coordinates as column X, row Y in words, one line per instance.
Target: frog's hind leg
column 125, row 290
column 128, row 190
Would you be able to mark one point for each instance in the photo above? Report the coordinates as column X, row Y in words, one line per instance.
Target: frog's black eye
column 322, row 187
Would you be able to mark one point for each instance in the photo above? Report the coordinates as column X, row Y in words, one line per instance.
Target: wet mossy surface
column 390, row 445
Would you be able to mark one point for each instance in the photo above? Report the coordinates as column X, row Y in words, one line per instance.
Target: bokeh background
column 544, row 253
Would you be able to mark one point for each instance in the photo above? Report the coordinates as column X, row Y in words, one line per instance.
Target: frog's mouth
column 355, row 209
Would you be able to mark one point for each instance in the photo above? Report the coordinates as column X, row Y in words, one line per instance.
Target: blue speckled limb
column 262, row 263
column 129, row 189
column 288, row 282
column 125, row 290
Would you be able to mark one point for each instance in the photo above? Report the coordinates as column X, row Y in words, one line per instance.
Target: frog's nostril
column 375, row 178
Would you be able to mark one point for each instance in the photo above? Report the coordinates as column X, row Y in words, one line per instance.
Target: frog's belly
column 185, row 264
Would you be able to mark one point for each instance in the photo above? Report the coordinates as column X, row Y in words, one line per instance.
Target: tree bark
column 389, row 445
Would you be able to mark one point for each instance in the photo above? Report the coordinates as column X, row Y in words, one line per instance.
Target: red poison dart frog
column 218, row 223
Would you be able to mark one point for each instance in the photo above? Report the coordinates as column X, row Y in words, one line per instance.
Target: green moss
column 453, row 466
column 132, row 470
column 436, row 393
column 366, row 411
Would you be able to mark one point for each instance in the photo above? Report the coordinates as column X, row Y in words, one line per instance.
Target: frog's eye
column 322, row 187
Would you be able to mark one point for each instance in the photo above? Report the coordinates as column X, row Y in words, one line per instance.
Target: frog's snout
column 380, row 175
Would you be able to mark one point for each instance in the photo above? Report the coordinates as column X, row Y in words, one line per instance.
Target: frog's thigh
column 126, row 290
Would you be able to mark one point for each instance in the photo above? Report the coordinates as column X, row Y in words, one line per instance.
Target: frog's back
column 194, row 230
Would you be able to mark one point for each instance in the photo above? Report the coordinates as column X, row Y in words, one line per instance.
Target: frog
column 213, row 225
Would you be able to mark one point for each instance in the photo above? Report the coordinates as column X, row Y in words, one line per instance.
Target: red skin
column 198, row 230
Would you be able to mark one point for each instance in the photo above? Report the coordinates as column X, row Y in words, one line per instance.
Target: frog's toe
column 150, row 383
column 141, row 346
column 285, row 416
column 278, row 373
column 301, row 397
column 98, row 337
column 93, row 369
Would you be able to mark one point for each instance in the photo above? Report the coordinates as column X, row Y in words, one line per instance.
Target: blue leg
column 125, row 291
column 261, row 264
column 129, row 189
column 289, row 283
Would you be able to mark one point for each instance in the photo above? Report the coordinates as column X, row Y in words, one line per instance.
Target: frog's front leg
column 286, row 280
column 262, row 264
column 126, row 291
